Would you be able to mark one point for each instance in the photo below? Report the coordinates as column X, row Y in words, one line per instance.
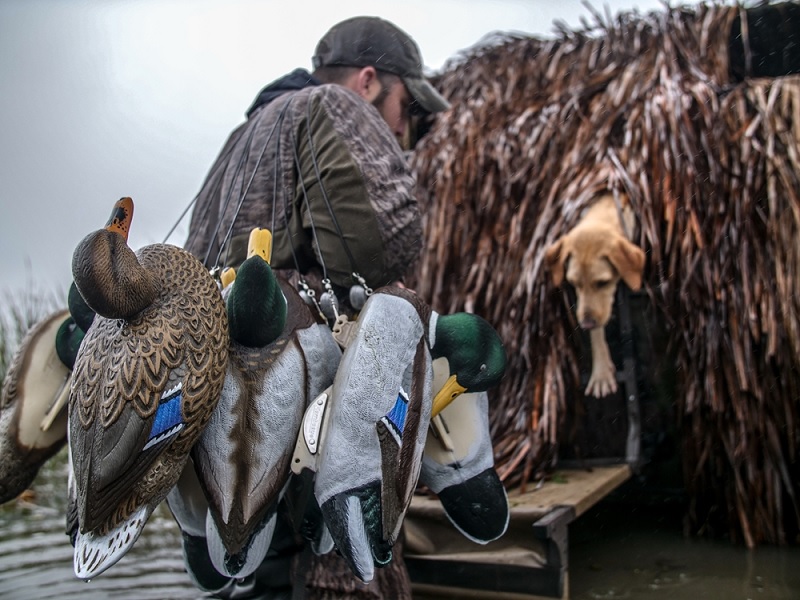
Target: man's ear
column 368, row 86
column 628, row 260
column 554, row 259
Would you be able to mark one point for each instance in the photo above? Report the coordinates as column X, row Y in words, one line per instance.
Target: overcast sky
column 109, row 98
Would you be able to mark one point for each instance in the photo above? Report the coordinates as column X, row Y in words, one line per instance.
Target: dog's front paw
column 603, row 381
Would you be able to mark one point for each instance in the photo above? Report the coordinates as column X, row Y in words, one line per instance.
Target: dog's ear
column 628, row 260
column 554, row 258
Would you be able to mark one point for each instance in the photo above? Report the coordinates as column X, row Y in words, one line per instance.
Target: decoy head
column 256, row 305
column 68, row 341
column 80, row 311
column 108, row 274
column 474, row 352
column 72, row 330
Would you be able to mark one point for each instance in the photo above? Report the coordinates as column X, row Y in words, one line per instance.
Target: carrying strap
column 301, row 573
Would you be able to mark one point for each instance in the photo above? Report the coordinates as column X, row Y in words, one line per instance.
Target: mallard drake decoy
column 458, row 466
column 380, row 407
column 146, row 380
column 33, row 415
column 279, row 358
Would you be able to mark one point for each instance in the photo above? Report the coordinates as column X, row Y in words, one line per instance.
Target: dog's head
column 593, row 260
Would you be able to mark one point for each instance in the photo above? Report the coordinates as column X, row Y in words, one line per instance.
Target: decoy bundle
column 203, row 393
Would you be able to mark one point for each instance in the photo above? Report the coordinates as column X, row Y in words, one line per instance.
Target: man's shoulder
column 333, row 93
column 325, row 96
column 343, row 105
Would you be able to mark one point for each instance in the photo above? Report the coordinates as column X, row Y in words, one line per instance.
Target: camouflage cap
column 374, row 42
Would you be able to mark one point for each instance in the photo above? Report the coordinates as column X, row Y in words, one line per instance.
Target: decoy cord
column 226, row 241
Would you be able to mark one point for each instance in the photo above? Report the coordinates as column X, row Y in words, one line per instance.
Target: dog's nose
column 588, row 323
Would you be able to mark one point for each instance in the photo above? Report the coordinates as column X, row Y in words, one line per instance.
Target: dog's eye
column 602, row 283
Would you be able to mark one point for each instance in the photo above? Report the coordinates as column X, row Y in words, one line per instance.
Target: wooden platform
column 529, row 562
column 579, row 488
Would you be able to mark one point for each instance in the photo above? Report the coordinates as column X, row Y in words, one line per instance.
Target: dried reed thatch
column 644, row 105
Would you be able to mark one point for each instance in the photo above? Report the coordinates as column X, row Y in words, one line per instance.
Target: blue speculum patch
column 168, row 418
column 397, row 416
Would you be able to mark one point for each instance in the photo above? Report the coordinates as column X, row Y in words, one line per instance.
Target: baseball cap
column 375, row 42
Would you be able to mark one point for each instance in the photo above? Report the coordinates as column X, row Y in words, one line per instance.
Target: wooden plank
column 443, row 568
column 578, row 488
column 435, row 592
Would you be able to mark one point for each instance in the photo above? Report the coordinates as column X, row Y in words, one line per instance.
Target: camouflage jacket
column 321, row 169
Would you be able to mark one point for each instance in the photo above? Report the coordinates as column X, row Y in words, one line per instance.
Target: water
column 622, row 550
column 618, row 549
column 36, row 556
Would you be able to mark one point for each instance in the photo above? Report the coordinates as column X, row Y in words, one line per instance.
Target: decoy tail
column 249, row 556
column 354, row 521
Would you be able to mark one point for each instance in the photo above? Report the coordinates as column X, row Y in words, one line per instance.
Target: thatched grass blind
column 649, row 106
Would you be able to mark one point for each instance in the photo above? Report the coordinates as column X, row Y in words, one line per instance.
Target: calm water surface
column 617, row 550
column 621, row 550
column 36, row 556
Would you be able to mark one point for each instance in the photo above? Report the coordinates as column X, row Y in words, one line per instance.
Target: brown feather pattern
column 122, row 369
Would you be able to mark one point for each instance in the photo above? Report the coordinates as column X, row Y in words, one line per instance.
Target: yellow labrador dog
column 593, row 257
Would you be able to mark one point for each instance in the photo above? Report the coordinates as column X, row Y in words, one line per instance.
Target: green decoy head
column 474, row 352
column 80, row 311
column 68, row 341
column 256, row 306
column 70, row 334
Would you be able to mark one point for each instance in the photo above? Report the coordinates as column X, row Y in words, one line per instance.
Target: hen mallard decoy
column 380, row 407
column 146, row 380
column 279, row 358
column 33, row 415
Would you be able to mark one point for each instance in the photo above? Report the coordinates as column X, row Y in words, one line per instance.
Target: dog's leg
column 602, row 381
